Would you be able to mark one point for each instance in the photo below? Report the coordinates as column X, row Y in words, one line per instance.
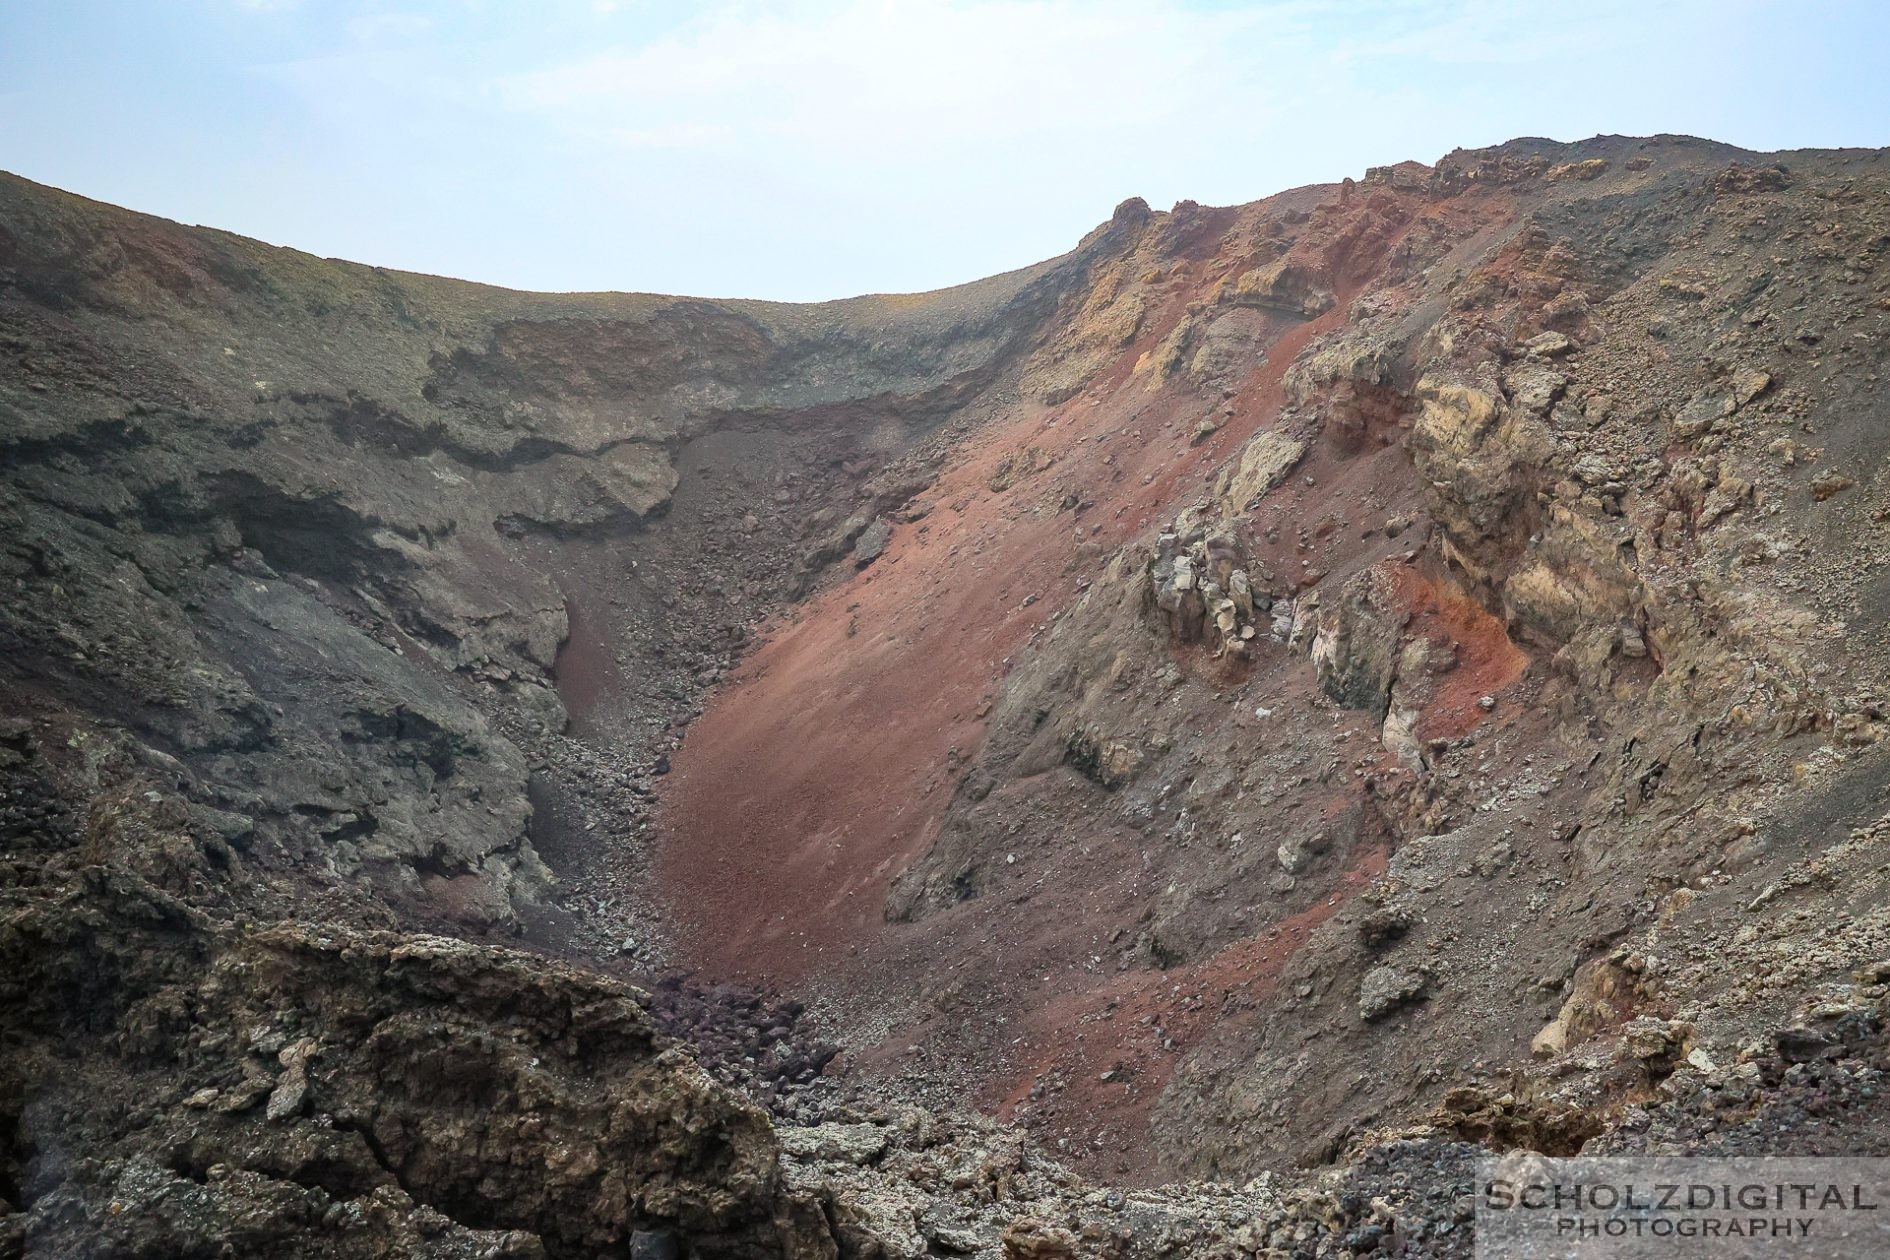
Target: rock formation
column 1276, row 702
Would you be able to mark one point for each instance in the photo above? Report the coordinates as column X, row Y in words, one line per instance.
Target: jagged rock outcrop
column 1203, row 589
column 1282, row 286
column 180, row 1077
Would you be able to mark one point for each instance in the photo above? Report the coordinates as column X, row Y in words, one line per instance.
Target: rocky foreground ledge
column 182, row 1081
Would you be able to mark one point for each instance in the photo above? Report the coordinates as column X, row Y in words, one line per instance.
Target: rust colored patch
column 1488, row 660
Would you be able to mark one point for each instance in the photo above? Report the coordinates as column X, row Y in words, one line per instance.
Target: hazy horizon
column 824, row 150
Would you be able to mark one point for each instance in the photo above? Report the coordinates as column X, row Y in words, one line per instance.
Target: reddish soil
column 822, row 769
column 824, row 765
column 1488, row 660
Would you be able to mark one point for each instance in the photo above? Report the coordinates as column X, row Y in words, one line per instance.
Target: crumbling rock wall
column 1533, row 648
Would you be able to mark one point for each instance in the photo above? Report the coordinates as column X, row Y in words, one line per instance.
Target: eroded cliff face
column 1379, row 612
column 1399, row 660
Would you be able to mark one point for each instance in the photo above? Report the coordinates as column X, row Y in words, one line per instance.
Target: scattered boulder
column 1035, row 1240
column 871, row 542
column 1602, row 991
column 1548, row 345
column 1829, row 485
column 1263, row 464
column 1018, row 465
column 1800, row 1044
column 844, row 1143
column 1387, row 988
column 1748, row 384
column 1656, row 1042
column 1297, row 853
column 1384, row 925
column 1109, row 762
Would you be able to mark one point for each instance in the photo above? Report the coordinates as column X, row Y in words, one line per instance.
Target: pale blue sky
column 812, row 150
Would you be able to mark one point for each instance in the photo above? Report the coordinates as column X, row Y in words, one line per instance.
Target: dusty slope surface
column 1352, row 680
column 1379, row 621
